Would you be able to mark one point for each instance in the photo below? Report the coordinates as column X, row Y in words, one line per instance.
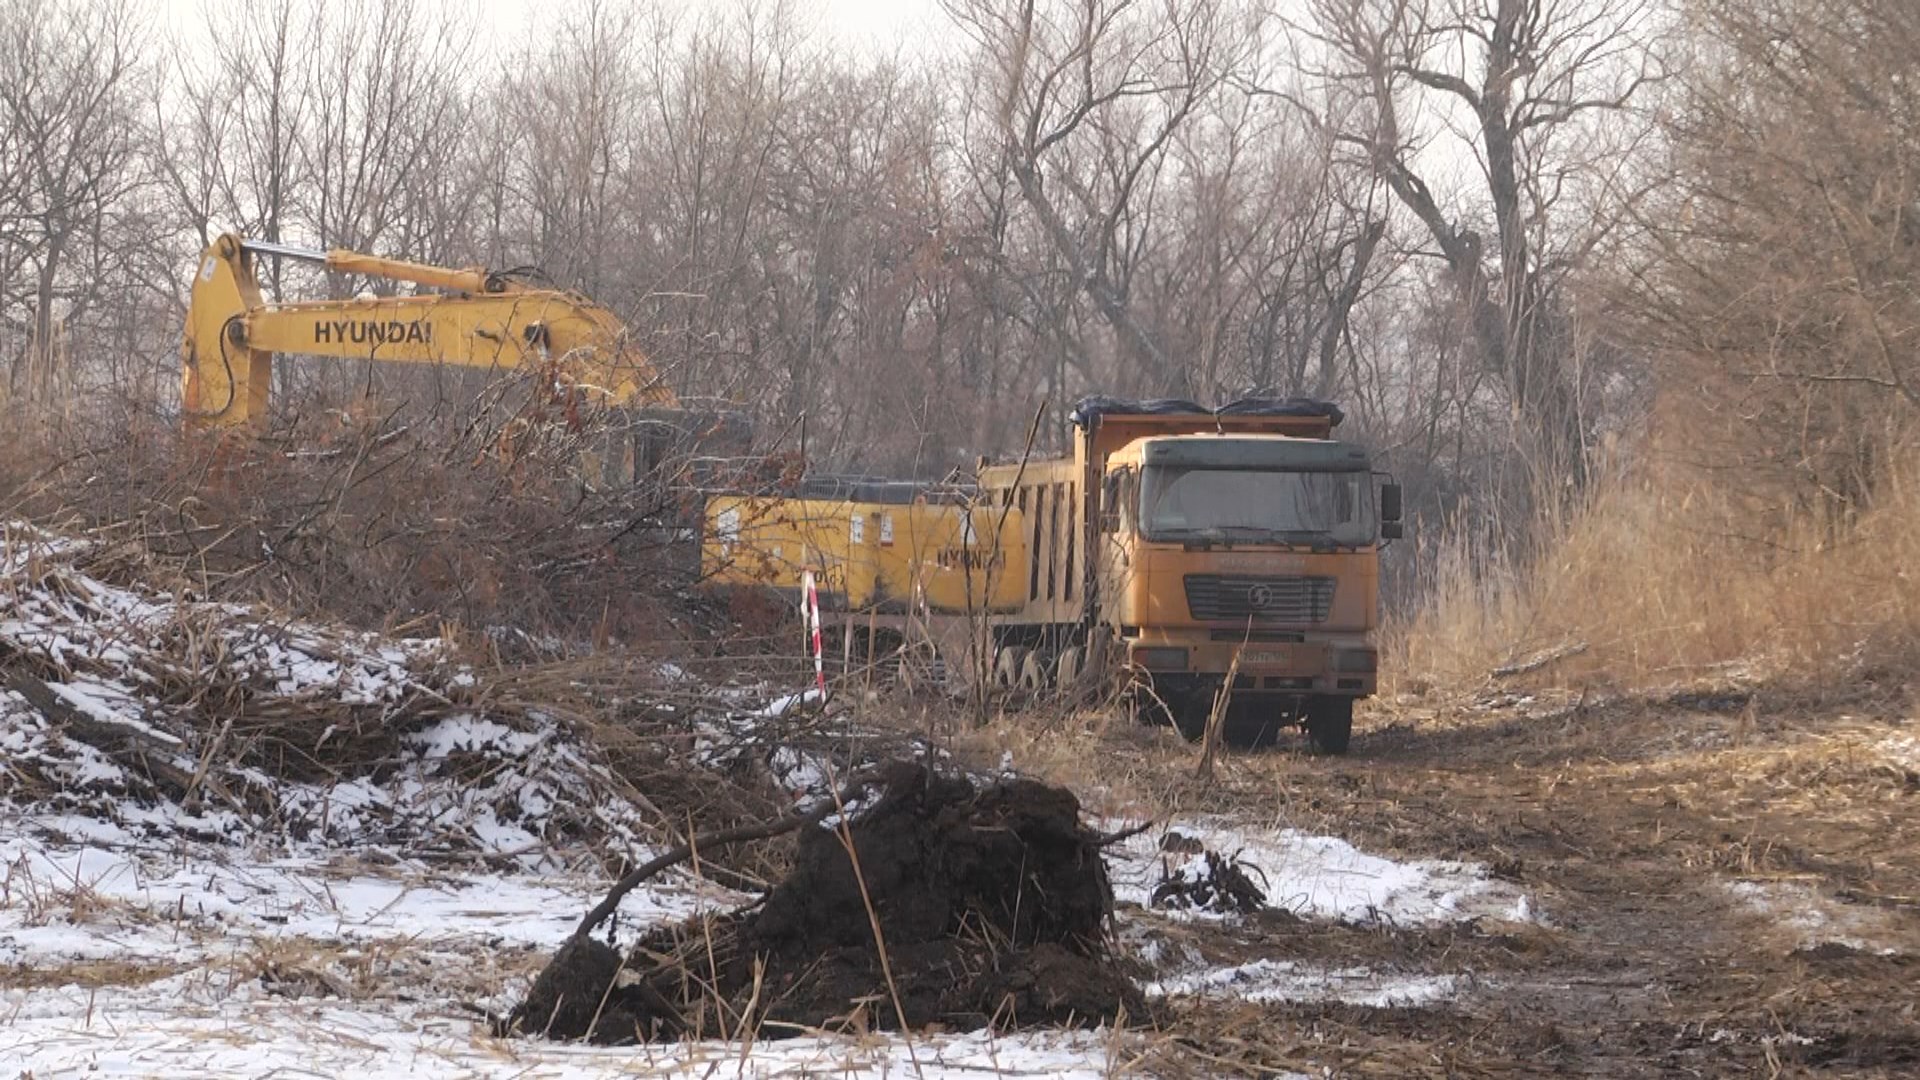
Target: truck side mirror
column 1390, row 506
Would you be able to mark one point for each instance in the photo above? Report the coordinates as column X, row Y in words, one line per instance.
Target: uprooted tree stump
column 992, row 906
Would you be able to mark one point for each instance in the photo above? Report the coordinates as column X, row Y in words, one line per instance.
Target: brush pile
column 167, row 715
column 943, row 900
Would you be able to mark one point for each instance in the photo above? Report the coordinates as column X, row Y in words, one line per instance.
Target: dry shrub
column 377, row 518
column 1666, row 578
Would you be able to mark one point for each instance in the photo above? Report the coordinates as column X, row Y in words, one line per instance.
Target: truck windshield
column 1257, row 505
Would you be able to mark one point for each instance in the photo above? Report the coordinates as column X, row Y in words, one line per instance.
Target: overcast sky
column 871, row 25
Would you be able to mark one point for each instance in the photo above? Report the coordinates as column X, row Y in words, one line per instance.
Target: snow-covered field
column 133, row 959
column 1265, row 982
column 136, row 959
column 201, row 1026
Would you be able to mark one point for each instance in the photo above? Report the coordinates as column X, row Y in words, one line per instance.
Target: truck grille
column 1293, row 598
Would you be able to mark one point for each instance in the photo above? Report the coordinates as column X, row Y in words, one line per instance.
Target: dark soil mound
column 992, row 902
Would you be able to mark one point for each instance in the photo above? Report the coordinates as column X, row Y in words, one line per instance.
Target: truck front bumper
column 1347, row 668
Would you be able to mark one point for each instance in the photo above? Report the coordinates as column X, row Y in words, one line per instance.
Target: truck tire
column 1066, row 670
column 1145, row 706
column 1007, row 665
column 1190, row 714
column 1034, row 674
column 1330, row 724
column 1253, row 725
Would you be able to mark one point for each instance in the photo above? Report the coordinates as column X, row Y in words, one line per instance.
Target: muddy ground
column 1729, row 884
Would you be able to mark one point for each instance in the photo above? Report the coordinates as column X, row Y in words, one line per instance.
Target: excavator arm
column 479, row 318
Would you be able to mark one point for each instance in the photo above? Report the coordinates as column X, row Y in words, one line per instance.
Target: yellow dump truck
column 1177, row 538
column 875, row 548
column 1174, row 545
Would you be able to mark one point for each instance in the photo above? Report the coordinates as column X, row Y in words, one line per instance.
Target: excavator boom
column 479, row 318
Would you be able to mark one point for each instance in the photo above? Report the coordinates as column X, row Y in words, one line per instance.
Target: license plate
column 1266, row 658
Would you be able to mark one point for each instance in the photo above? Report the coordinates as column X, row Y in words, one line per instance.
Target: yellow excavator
column 473, row 318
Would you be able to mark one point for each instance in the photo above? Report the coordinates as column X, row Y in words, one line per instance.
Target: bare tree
column 1776, row 277
column 1090, row 95
column 571, row 111
column 68, row 75
column 228, row 135
column 1537, row 92
column 385, row 95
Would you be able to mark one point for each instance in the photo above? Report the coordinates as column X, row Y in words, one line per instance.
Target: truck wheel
column 1190, row 714
column 1066, row 670
column 1330, row 724
column 1006, row 666
column 1253, row 725
column 1033, row 673
column 1144, row 706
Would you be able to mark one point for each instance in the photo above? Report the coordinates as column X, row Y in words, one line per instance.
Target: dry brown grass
column 1661, row 582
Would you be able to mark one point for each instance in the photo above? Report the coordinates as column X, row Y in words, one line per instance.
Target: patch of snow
column 1810, row 918
column 1267, row 982
column 181, row 1027
column 1901, row 750
column 1324, row 877
column 474, row 734
column 805, row 775
column 780, row 707
column 95, row 899
column 105, row 703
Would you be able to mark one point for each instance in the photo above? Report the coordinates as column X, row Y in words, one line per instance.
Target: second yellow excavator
column 472, row 318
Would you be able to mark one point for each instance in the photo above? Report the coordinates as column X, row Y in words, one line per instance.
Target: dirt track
column 1730, row 886
column 1632, row 822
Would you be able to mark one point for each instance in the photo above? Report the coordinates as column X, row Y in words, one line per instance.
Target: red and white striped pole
column 810, row 610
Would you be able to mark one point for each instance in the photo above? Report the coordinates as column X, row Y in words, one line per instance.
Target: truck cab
column 1260, row 546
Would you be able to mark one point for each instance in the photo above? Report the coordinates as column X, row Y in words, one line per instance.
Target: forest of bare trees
column 1495, row 230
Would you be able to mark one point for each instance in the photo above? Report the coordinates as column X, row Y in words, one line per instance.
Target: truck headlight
column 1161, row 659
column 1366, row 660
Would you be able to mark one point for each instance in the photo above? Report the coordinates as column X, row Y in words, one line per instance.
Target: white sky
column 878, row 26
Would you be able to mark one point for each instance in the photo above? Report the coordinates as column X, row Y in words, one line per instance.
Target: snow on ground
column 1266, row 982
column 1324, row 877
column 1902, row 750
column 1809, row 918
column 1313, row 877
column 62, row 900
column 205, row 1028
column 330, row 919
column 228, row 965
